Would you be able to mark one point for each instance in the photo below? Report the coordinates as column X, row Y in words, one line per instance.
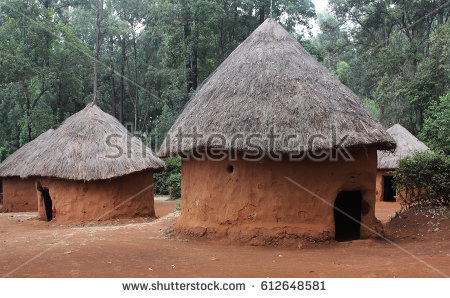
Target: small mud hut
column 271, row 83
column 19, row 194
column 90, row 168
column 407, row 145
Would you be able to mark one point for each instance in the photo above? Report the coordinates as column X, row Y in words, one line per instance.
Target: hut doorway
column 388, row 189
column 47, row 203
column 347, row 215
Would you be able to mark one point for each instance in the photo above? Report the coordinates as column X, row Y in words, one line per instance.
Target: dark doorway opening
column 388, row 189
column 347, row 215
column 47, row 203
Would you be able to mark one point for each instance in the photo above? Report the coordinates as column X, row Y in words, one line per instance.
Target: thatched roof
column 407, row 145
column 79, row 150
column 271, row 81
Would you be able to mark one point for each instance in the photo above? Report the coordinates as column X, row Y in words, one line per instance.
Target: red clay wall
column 19, row 195
column 379, row 186
column 256, row 204
column 77, row 201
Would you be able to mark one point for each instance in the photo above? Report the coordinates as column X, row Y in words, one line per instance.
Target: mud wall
column 19, row 195
column 256, row 204
column 77, row 201
column 379, row 186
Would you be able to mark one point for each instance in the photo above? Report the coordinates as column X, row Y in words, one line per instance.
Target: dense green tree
column 436, row 128
column 153, row 55
column 397, row 52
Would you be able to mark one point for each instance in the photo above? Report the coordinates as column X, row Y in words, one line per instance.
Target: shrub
column 423, row 180
column 164, row 179
column 174, row 181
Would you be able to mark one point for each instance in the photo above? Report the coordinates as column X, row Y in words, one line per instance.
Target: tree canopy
column 154, row 54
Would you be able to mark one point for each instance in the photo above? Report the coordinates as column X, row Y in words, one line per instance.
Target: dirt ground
column 146, row 248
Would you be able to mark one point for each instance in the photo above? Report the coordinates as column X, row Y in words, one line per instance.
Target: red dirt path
column 145, row 248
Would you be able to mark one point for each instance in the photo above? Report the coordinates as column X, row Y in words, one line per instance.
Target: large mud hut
column 269, row 83
column 407, row 145
column 90, row 168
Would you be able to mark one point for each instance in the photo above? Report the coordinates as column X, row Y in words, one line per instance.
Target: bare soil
column 146, row 247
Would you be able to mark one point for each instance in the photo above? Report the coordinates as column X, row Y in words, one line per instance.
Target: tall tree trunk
column 59, row 103
column 194, row 67
column 136, row 90
column 111, row 80
column 47, row 38
column 194, row 76
column 262, row 15
column 420, row 118
column 28, row 120
column 440, row 13
column 187, row 33
column 97, row 46
column 113, row 92
column 235, row 21
column 222, row 40
column 28, row 110
column 122, row 75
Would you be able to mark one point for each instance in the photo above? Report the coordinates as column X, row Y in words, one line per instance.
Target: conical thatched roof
column 407, row 145
column 271, row 81
column 79, row 150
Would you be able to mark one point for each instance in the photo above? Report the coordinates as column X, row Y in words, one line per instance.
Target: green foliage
column 42, row 119
column 154, row 54
column 3, row 153
column 343, row 72
column 423, row 180
column 436, row 127
column 372, row 105
column 174, row 181
column 163, row 124
column 397, row 57
column 170, row 177
column 312, row 47
column 40, row 71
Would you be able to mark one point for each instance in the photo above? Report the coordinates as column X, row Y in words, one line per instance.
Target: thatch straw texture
column 271, row 81
column 79, row 150
column 407, row 145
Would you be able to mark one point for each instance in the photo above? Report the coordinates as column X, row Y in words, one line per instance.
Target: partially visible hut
column 407, row 145
column 19, row 194
column 90, row 168
column 270, row 87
